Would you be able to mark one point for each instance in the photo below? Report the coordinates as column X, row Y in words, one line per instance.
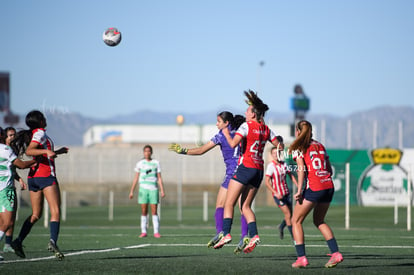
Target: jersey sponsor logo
column 384, row 182
column 259, row 132
column 322, row 174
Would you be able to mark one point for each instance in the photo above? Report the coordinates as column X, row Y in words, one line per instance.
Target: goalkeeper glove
column 177, row 148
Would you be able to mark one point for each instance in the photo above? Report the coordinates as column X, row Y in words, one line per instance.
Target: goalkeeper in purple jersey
column 230, row 156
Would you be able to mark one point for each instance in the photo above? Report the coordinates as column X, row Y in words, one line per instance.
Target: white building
column 158, row 134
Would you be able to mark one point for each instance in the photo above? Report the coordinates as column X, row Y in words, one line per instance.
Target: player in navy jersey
column 276, row 174
column 314, row 170
column 231, row 155
column 253, row 134
column 42, row 181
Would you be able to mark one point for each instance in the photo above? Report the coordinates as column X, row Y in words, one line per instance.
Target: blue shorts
column 324, row 196
column 248, row 176
column 40, row 183
column 286, row 200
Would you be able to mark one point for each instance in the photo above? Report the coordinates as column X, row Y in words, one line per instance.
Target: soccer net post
column 347, row 194
column 64, row 205
column 205, row 206
column 45, row 214
column 111, row 206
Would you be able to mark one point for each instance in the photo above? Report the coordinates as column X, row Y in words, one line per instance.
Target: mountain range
column 67, row 128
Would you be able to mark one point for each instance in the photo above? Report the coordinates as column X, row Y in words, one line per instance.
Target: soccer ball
column 112, row 37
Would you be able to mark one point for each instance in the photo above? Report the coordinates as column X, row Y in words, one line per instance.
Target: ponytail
column 21, row 141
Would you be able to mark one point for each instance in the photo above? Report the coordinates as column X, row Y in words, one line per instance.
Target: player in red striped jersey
column 314, row 168
column 253, row 134
column 276, row 173
column 42, row 181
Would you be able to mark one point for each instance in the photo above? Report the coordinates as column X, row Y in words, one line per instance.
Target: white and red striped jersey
column 45, row 166
column 278, row 172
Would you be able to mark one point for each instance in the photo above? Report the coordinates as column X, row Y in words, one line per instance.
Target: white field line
column 82, row 252
column 308, row 245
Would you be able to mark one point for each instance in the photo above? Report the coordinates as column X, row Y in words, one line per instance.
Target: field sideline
column 94, row 245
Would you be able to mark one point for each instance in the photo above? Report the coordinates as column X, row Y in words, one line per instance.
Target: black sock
column 27, row 226
column 54, row 231
column 252, row 229
column 8, row 239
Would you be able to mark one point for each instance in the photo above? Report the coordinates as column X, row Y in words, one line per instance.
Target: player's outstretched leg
column 252, row 244
column 242, row 244
column 335, row 259
column 55, row 249
column 281, row 233
column 18, row 248
column 224, row 239
column 300, row 262
column 214, row 240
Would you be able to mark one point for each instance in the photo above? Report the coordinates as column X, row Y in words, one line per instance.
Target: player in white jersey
column 148, row 174
column 8, row 238
column 7, row 191
column 276, row 173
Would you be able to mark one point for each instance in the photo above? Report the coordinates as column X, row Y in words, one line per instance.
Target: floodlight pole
column 347, row 194
column 349, row 135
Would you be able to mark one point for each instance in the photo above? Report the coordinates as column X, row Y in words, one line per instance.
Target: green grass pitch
column 94, row 245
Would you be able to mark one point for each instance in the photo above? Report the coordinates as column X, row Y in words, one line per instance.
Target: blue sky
column 191, row 56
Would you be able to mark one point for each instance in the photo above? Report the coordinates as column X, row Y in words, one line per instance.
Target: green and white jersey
column 6, row 161
column 148, row 171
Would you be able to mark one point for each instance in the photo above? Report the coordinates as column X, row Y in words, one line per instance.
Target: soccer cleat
column 300, row 262
column 1, row 258
column 281, row 233
column 214, row 240
column 224, row 239
column 7, row 248
column 242, row 244
column 18, row 248
column 51, row 246
column 335, row 259
column 143, row 235
column 252, row 244
column 157, row 235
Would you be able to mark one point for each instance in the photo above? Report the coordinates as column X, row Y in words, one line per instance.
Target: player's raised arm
column 193, row 151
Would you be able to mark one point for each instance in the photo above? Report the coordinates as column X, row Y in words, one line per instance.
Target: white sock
column 143, row 224
column 1, row 235
column 155, row 223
